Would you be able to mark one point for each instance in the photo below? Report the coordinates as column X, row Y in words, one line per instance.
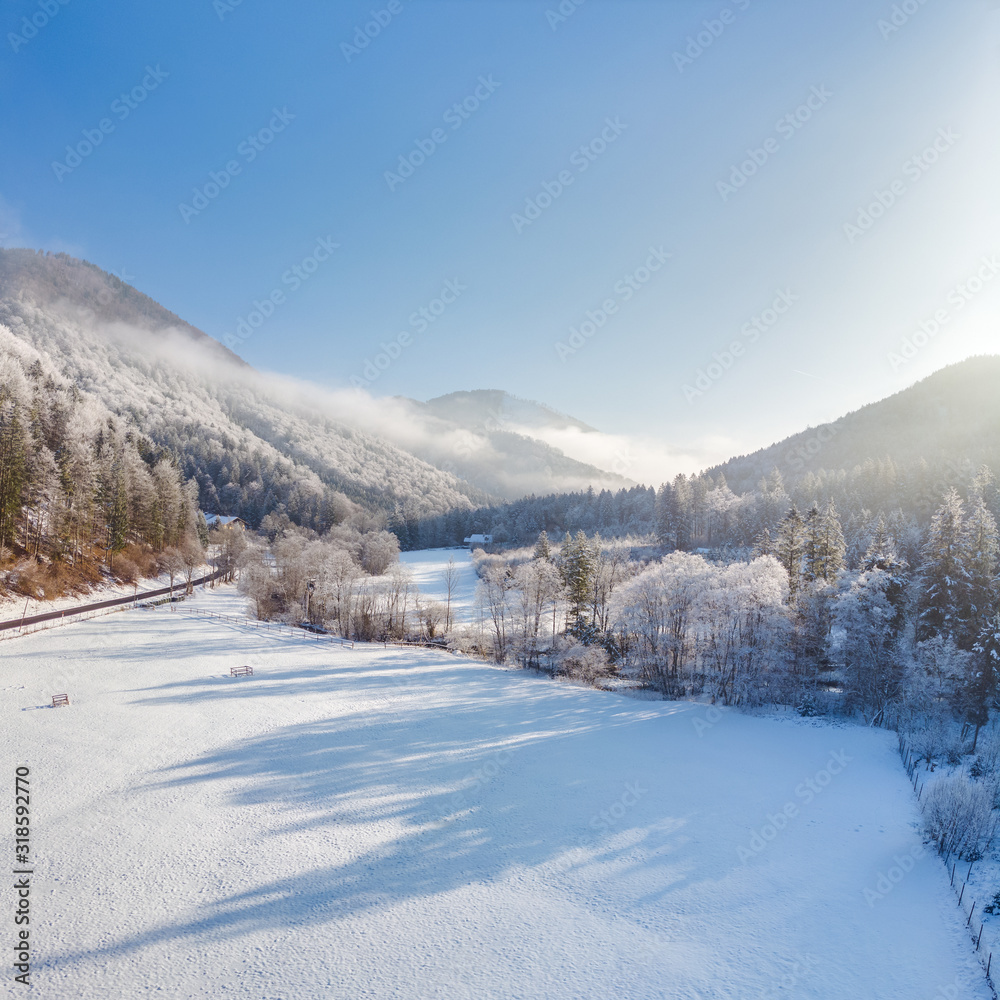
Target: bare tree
column 173, row 564
column 450, row 579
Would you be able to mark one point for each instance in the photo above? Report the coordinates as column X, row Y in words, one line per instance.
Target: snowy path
column 408, row 824
column 428, row 567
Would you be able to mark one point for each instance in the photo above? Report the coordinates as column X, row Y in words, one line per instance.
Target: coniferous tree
column 663, row 525
column 985, row 680
column 680, row 514
column 824, row 545
column 542, row 548
column 13, row 459
column 577, row 573
column 983, row 550
column 944, row 600
column 790, row 549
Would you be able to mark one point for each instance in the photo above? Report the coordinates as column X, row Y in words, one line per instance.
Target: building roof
column 222, row 520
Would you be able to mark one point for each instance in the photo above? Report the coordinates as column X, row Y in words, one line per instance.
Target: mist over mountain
column 896, row 458
column 259, row 443
column 510, row 456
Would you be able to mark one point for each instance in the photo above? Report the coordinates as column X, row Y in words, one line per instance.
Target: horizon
column 611, row 444
column 616, row 207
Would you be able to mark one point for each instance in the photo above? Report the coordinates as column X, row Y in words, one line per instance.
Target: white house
column 224, row 521
column 473, row 540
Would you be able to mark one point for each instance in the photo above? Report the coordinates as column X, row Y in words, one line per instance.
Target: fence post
column 961, row 894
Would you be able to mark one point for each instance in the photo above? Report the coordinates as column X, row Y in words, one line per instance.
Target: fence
column 53, row 619
column 910, row 763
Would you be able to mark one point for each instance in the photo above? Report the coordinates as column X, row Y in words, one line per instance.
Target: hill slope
column 950, row 419
column 257, row 443
column 254, row 444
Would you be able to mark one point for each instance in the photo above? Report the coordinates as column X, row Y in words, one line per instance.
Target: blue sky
column 630, row 131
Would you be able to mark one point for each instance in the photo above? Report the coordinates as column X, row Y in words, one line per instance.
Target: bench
column 241, row 671
column 60, row 699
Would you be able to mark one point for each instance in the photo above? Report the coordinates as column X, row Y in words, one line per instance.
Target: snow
column 406, row 823
column 13, row 607
column 428, row 568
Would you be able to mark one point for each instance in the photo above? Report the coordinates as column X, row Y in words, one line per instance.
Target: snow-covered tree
column 945, row 579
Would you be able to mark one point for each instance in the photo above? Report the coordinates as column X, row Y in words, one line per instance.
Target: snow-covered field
column 428, row 567
column 407, row 823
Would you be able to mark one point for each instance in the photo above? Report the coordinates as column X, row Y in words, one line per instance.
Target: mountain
column 255, row 444
column 896, row 458
column 504, row 449
column 493, row 409
column 949, row 420
column 42, row 278
column 260, row 444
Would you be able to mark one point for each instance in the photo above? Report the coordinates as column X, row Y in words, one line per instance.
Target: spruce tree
column 944, row 600
column 985, row 680
column 577, row 573
column 789, row 549
column 13, row 459
column 542, row 549
column 680, row 516
column 662, row 516
column 983, row 549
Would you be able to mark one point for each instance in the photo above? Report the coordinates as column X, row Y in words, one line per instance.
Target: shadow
column 467, row 775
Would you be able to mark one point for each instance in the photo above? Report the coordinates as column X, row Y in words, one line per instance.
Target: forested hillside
column 895, row 459
column 255, row 446
column 80, row 491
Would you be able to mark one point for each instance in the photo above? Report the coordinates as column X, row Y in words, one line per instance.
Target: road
column 83, row 608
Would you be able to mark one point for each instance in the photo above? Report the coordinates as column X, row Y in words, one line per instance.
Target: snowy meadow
column 394, row 822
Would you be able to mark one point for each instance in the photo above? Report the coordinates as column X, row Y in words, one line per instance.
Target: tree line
column 81, row 494
column 788, row 622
